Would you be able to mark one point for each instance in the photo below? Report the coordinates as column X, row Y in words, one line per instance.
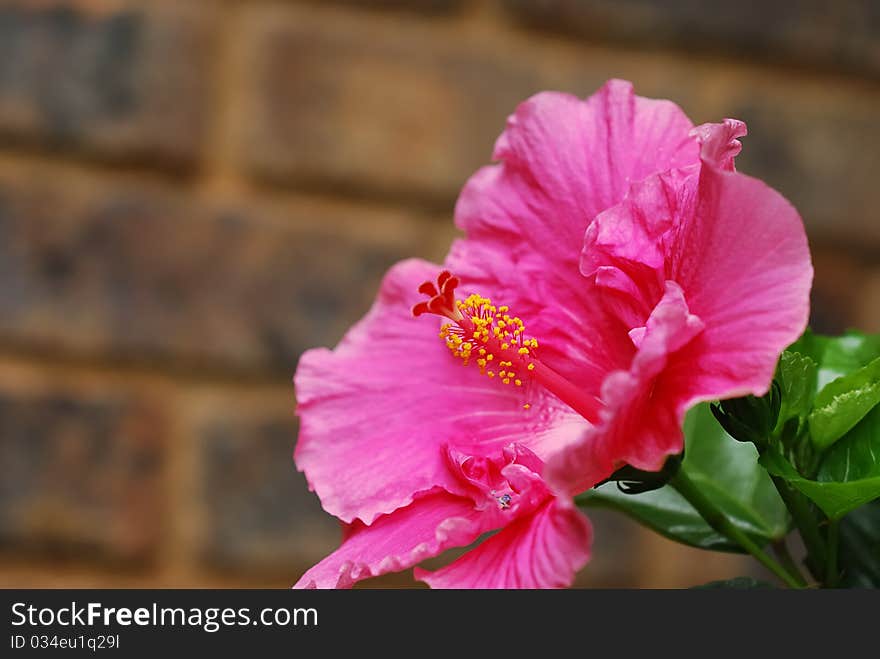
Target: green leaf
column 728, row 474
column 795, row 379
column 839, row 355
column 860, row 547
column 843, row 403
column 849, row 475
column 663, row 511
column 737, row 583
column 856, row 457
column 797, row 376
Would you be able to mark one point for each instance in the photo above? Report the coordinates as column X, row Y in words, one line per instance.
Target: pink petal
column 641, row 423
column 738, row 253
column 563, row 160
column 719, row 143
column 633, row 231
column 431, row 524
column 625, row 247
column 638, row 231
column 377, row 412
column 514, row 474
column 542, row 550
column 743, row 261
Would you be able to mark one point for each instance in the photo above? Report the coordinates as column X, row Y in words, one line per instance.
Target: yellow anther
column 526, row 406
column 485, row 331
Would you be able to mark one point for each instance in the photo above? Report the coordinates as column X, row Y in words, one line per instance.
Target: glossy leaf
column 849, row 475
column 797, row 376
column 860, row 547
column 726, row 471
column 839, row 355
column 843, row 403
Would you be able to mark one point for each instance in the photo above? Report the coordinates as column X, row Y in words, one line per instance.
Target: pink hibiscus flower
column 645, row 275
column 417, row 455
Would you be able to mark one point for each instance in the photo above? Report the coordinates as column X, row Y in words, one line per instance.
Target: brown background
column 194, row 192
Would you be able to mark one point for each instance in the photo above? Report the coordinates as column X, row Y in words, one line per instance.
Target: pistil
column 496, row 341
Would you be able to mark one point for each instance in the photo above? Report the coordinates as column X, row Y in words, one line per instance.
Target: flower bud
column 750, row 419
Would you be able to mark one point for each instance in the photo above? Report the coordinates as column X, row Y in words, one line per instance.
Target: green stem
column 832, row 574
column 780, row 548
column 806, row 523
column 719, row 521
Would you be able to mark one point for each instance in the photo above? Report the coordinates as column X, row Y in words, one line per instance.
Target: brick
column 414, row 111
column 141, row 273
column 662, row 563
column 843, row 291
column 354, row 102
column 428, row 6
column 81, row 470
column 868, row 315
column 258, row 515
column 29, row 573
column 843, row 35
column 113, row 79
column 615, row 552
column 819, row 151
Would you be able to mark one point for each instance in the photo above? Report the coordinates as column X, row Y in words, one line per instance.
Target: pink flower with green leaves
column 615, row 271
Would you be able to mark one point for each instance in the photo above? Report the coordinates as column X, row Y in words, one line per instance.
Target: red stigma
column 441, row 297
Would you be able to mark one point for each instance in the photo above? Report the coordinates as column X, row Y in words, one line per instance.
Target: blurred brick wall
column 192, row 193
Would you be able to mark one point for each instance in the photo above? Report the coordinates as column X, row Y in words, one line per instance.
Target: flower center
column 496, row 341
